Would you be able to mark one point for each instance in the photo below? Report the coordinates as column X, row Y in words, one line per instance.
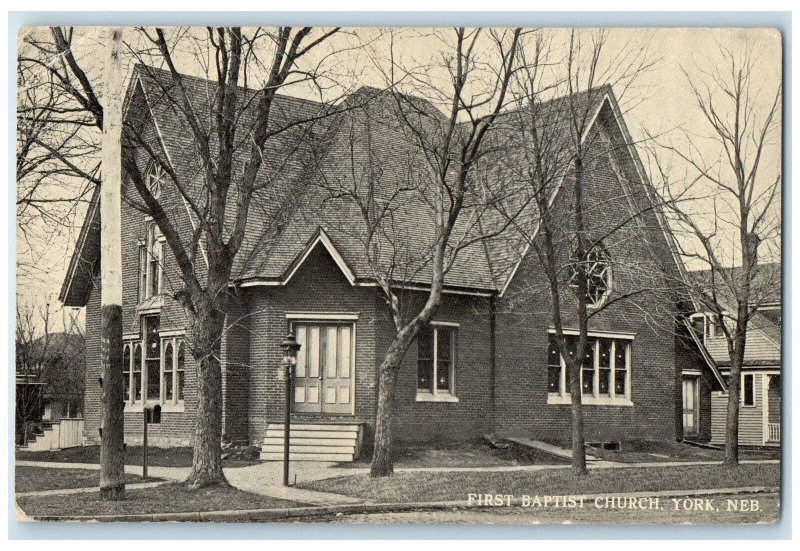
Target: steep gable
column 307, row 158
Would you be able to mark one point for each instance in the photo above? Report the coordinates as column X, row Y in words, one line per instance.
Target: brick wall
column 638, row 254
column 471, row 416
column 318, row 286
column 91, row 403
column 176, row 426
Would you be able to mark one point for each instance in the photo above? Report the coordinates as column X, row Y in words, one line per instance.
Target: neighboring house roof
column 709, row 361
column 764, row 328
column 765, row 292
column 300, row 204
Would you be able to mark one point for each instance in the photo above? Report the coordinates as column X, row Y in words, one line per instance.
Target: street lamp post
column 286, row 371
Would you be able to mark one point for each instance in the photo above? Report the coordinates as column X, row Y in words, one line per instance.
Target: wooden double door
column 324, row 377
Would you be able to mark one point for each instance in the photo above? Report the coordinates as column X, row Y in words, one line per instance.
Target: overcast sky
column 660, row 102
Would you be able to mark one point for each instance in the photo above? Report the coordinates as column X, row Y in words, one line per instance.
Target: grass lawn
column 475, row 453
column 34, row 479
column 433, row 486
column 167, row 498
column 652, row 451
column 156, row 457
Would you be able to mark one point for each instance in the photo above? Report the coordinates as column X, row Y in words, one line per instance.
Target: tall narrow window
column 748, row 390
column 587, row 371
column 436, row 360
column 137, row 372
column 126, row 373
column 180, row 377
column 620, row 368
column 604, row 366
column 553, row 366
column 152, row 346
column 444, row 358
column 143, row 266
column 153, row 268
column 168, row 383
column 425, row 360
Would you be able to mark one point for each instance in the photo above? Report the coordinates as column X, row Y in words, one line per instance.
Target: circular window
column 597, row 271
column 156, row 177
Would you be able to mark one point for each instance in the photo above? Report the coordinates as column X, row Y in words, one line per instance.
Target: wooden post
column 112, row 447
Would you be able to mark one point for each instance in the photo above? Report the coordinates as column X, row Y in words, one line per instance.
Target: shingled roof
column 300, row 201
column 765, row 291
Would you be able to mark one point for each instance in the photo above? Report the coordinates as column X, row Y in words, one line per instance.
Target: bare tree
column 57, row 150
column 424, row 178
column 228, row 121
column 553, row 144
column 733, row 168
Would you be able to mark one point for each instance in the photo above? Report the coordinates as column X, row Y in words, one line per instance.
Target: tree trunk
column 382, row 462
column 578, row 439
column 732, row 419
column 207, row 460
column 112, row 435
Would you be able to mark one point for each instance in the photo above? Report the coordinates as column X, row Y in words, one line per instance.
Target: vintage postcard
column 399, row 275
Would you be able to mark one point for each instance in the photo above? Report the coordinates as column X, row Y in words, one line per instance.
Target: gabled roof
column 765, row 289
column 84, row 264
column 709, row 361
column 295, row 208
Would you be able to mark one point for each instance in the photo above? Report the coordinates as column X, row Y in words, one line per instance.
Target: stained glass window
column 595, row 267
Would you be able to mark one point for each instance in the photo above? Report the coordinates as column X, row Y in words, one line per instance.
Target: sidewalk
column 266, row 478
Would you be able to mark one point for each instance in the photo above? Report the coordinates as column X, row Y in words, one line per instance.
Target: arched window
column 597, row 270
column 137, row 372
column 180, row 371
column 168, row 373
column 155, row 179
column 126, row 372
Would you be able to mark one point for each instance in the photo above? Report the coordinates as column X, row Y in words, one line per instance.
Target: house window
column 150, row 264
column 180, row 371
column 126, row 372
column 152, row 351
column 748, row 390
column 436, row 360
column 163, row 366
column 167, row 377
column 605, row 374
column 137, row 372
column 598, row 275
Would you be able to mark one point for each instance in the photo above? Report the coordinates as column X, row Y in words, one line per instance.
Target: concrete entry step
column 303, row 441
column 313, row 441
column 268, row 448
column 295, row 456
column 300, row 433
column 300, row 425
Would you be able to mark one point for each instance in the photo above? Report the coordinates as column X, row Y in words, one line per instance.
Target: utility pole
column 112, row 445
